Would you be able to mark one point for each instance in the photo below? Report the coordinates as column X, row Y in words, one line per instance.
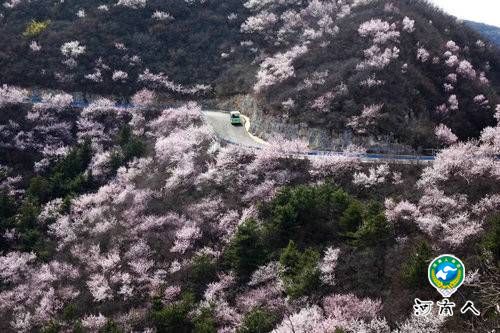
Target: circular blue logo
column 446, row 272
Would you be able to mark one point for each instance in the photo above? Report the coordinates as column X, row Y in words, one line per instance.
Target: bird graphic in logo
column 446, row 273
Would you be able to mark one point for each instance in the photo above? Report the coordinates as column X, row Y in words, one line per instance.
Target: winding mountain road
column 240, row 135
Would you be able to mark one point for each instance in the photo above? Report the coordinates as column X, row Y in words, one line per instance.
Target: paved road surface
column 240, row 136
column 234, row 134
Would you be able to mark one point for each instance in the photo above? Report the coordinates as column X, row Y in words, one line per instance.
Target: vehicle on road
column 235, row 117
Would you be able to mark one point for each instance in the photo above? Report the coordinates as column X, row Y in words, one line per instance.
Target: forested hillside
column 378, row 68
column 138, row 217
column 489, row 31
column 385, row 70
column 105, row 47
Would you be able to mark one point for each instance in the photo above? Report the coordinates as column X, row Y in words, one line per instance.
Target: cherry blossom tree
column 367, row 119
column 452, row 78
column 452, row 218
column 12, row 95
column 259, row 22
column 452, row 61
column 378, row 58
column 376, row 176
column 402, row 211
column 55, row 101
column 445, row 135
column 453, row 102
column 177, row 118
column 185, row 237
column 349, row 307
column 94, row 322
column 380, row 31
column 133, row 4
column 423, row 55
column 161, row 80
column 144, row 98
column 72, row 49
column 37, row 290
column 483, row 79
column 432, row 323
column 162, row 16
column 81, row 13
column 481, row 100
column 372, row 82
column 408, row 24
column 308, row 319
column 328, row 264
column 278, row 68
column 35, row 47
column 120, row 76
column 466, row 69
column 452, row 46
column 99, row 287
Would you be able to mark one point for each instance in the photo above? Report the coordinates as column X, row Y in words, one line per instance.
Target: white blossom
column 72, row 49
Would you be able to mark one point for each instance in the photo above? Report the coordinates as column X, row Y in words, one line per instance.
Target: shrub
column 204, row 322
column 246, row 252
column 375, row 231
column 67, row 177
column 352, row 217
column 7, row 207
column 78, row 328
column 35, row 28
column 131, row 146
column 111, row 327
column 300, row 270
column 52, row 327
column 414, row 270
column 173, row 317
column 75, row 162
column 258, row 320
column 40, row 187
column 70, row 312
column 362, row 271
column 304, row 214
column 203, row 270
column 26, row 217
column 491, row 241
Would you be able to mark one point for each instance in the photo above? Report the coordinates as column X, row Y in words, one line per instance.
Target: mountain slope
column 356, row 71
column 183, row 39
column 489, row 31
column 142, row 219
column 389, row 71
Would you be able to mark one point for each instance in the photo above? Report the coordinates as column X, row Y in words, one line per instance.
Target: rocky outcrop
column 265, row 126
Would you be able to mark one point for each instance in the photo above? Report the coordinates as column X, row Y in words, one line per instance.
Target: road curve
column 239, row 135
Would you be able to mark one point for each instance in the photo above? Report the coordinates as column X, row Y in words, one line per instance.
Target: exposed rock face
column 265, row 126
